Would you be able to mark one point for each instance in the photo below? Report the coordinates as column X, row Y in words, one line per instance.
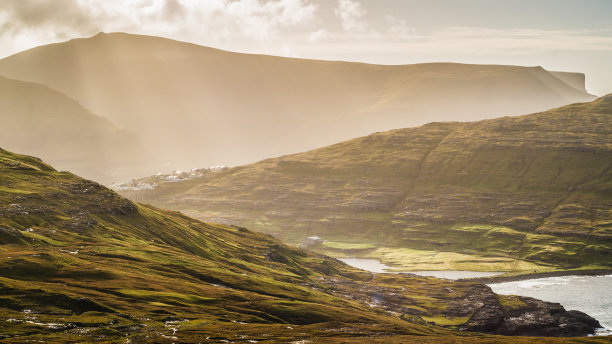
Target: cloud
column 25, row 24
column 210, row 19
column 399, row 26
column 205, row 22
column 56, row 17
column 259, row 20
column 476, row 40
column 173, row 9
column 318, row 35
column 352, row 16
column 281, row 27
column 461, row 42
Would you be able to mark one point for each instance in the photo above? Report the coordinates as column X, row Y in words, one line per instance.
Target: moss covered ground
column 79, row 263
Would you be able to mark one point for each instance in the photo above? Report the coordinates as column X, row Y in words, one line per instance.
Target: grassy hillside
column 79, row 263
column 38, row 120
column 196, row 106
column 515, row 194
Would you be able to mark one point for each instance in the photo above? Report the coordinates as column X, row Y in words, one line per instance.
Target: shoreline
column 528, row 276
column 501, row 278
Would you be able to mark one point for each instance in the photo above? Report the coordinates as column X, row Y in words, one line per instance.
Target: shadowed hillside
column 37, row 120
column 519, row 193
column 79, row 263
column 197, row 106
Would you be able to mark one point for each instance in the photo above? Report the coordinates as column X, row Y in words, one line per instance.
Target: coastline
column 528, row 276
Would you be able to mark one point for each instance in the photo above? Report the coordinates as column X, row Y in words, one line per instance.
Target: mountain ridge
column 183, row 99
column 39, row 120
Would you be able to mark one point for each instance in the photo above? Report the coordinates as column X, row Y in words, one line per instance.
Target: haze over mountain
column 196, row 106
column 519, row 193
column 79, row 263
column 38, row 120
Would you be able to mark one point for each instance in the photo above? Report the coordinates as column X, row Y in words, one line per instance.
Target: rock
column 9, row 235
column 275, row 256
column 81, row 221
column 535, row 318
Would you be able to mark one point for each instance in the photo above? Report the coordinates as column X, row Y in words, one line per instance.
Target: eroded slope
column 78, row 263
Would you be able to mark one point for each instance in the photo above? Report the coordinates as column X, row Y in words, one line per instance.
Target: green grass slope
column 37, row 120
column 197, row 106
column 513, row 194
column 79, row 263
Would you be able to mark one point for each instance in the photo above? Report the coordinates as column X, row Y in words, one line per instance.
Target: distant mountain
column 519, row 193
column 38, row 120
column 79, row 263
column 198, row 106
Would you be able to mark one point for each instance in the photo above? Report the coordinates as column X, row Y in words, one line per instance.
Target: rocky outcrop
column 533, row 318
column 468, row 307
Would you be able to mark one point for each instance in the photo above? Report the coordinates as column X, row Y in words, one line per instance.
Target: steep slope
column 517, row 193
column 38, row 120
column 197, row 106
column 79, row 263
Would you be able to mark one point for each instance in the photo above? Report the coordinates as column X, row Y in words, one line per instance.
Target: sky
column 566, row 35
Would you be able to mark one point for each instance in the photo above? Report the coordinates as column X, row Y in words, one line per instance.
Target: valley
column 80, row 263
column 526, row 193
column 305, row 172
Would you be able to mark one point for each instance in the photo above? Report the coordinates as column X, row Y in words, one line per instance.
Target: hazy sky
column 569, row 35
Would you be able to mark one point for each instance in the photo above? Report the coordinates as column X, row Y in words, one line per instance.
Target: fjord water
column 589, row 294
column 457, row 274
column 374, row 265
column 367, row 264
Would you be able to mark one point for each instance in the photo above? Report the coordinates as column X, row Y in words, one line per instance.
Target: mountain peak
column 103, row 34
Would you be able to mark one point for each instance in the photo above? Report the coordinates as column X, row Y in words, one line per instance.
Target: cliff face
column 576, row 80
column 534, row 188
